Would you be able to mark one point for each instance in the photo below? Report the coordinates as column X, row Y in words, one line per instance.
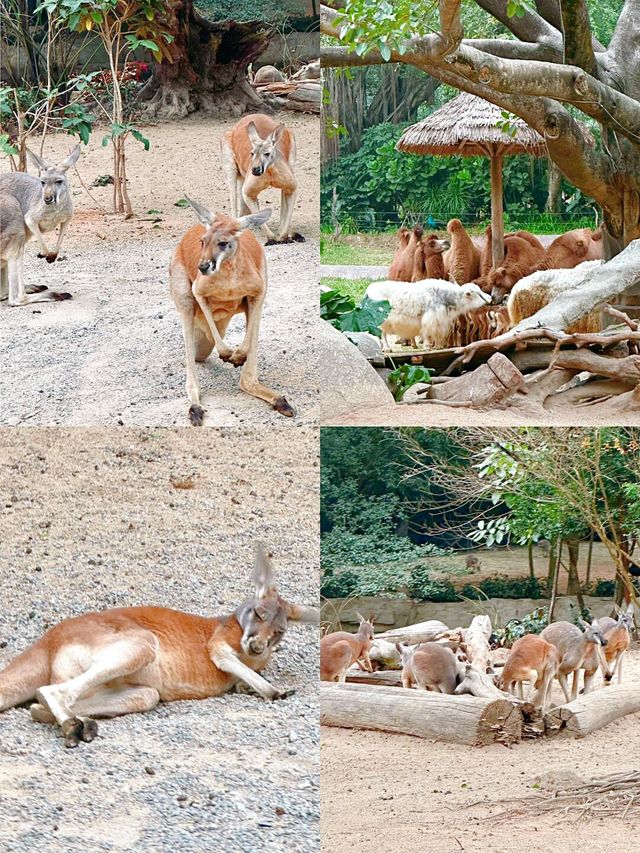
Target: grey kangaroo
column 30, row 206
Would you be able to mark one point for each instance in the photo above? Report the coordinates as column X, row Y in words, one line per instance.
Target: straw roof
column 468, row 126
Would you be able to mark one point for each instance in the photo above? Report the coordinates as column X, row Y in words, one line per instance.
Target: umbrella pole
column 497, row 217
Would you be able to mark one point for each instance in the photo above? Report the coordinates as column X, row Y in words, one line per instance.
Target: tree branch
column 576, row 28
column 531, row 27
column 510, row 49
column 623, row 52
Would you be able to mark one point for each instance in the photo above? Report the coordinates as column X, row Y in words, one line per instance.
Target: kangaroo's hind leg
column 116, row 660
column 106, row 702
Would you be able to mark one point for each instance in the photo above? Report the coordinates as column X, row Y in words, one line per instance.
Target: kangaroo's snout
column 204, row 267
column 49, row 199
column 257, row 170
column 255, row 646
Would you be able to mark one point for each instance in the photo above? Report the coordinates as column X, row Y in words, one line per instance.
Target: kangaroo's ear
column 372, row 619
column 263, row 576
column 302, row 613
column 254, row 136
column 204, row 214
column 584, row 624
column 360, row 617
column 38, row 162
column 254, row 219
column 276, row 135
column 71, row 160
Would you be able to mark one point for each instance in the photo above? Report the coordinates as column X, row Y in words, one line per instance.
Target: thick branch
column 531, row 27
column 510, row 49
column 623, row 52
column 578, row 47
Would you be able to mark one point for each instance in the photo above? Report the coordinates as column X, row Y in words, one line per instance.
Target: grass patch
column 358, row 249
column 353, row 287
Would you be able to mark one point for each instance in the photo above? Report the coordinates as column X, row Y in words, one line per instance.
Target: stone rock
column 347, row 380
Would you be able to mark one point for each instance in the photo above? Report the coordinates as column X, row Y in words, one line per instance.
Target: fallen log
column 591, row 712
column 624, row 369
column 382, row 677
column 421, row 632
column 456, row 719
column 491, row 384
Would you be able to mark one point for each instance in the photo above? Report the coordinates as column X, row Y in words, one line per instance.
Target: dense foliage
column 377, row 187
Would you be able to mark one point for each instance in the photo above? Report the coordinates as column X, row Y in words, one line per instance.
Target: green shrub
column 501, row 586
column 339, row 585
column 532, row 623
column 420, row 587
column 604, row 589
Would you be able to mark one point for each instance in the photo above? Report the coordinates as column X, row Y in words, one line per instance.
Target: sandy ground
column 389, row 792
column 90, row 519
column 115, row 353
column 427, row 415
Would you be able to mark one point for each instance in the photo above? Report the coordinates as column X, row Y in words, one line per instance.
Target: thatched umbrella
column 469, row 126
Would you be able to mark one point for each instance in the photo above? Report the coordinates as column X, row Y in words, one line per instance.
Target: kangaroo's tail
column 23, row 676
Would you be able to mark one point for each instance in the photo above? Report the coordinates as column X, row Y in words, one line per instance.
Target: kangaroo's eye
column 223, row 245
column 259, row 615
column 59, row 181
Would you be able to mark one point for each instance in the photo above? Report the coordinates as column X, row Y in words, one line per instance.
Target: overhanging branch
column 578, row 47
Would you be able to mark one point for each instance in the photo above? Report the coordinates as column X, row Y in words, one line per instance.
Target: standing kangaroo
column 219, row 270
column 617, row 636
column 258, row 153
column 535, row 660
column 30, row 206
column 338, row 651
column 574, row 646
column 430, row 666
column 126, row 660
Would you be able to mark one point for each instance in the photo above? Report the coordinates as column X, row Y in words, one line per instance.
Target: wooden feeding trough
column 469, row 126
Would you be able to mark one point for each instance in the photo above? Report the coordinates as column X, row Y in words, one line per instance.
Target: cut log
column 591, row 712
column 456, row 719
column 382, row 678
column 587, row 393
column 421, row 632
column 490, row 384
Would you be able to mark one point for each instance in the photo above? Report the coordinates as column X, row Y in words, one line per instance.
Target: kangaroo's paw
column 298, row 238
column 60, row 295
column 36, row 288
column 282, row 694
column 281, row 405
column 226, row 353
column 238, row 357
column 76, row 730
column 196, row 415
column 48, row 256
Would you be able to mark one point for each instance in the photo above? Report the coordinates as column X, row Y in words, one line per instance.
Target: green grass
column 350, row 287
column 357, row 250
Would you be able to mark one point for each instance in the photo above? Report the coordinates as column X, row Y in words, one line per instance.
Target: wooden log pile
column 299, row 95
column 378, row 701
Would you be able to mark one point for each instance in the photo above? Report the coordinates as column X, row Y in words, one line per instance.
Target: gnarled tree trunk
column 208, row 73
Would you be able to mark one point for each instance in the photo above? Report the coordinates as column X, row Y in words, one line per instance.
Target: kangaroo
column 573, row 646
column 430, row 666
column 535, row 660
column 618, row 640
column 258, row 153
column 45, row 200
column 219, row 270
column 338, row 651
column 128, row 659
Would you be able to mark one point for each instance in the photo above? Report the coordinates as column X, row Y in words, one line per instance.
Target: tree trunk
column 208, row 73
column 532, row 573
column 554, row 186
column 573, row 581
column 457, row 719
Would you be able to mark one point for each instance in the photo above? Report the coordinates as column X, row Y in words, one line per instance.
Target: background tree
column 549, row 69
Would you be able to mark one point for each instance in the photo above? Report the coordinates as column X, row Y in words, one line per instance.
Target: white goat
column 534, row 291
column 427, row 308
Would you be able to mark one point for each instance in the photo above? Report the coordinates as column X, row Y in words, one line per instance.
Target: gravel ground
column 114, row 354
column 93, row 520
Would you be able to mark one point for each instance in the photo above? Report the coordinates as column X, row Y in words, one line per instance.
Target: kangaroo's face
column 263, row 151
column 592, row 633
column 264, row 622
column 54, row 185
column 218, row 244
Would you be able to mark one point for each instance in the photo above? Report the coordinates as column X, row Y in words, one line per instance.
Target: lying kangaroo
column 128, row 659
column 28, row 207
column 258, row 153
column 219, row 270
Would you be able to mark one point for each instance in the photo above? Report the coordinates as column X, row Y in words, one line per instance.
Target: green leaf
column 6, row 147
column 385, row 52
column 405, row 376
column 143, row 139
column 182, row 202
column 366, row 317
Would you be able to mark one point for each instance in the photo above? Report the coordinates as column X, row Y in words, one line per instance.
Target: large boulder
column 347, row 380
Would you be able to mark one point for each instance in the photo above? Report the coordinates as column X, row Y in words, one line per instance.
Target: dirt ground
column 95, row 519
column 389, row 792
column 114, row 354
